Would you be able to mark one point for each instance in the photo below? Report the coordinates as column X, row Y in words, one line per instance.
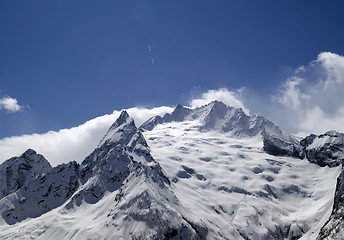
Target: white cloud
column 74, row 143
column 334, row 66
column 78, row 142
column 317, row 121
column 313, row 98
column 311, row 101
column 291, row 95
column 9, row 104
column 230, row 98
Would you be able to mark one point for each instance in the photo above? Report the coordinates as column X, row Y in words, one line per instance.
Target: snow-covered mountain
column 218, row 116
column 15, row 172
column 326, row 149
column 211, row 172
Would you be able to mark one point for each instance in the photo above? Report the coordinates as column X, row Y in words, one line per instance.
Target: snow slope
column 218, row 116
column 206, row 173
column 240, row 190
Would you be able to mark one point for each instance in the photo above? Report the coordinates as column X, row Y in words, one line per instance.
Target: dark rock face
column 308, row 140
column 326, row 149
column 278, row 147
column 41, row 194
column 334, row 227
column 16, row 171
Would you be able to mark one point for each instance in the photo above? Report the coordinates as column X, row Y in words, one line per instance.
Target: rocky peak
column 41, row 193
column 213, row 109
column 326, row 149
column 29, row 152
column 332, row 133
column 151, row 123
column 16, row 171
column 218, row 105
column 121, row 132
column 123, row 118
column 178, row 114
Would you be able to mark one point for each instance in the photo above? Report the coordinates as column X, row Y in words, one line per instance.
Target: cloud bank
column 9, row 104
column 313, row 98
column 78, row 142
column 74, row 143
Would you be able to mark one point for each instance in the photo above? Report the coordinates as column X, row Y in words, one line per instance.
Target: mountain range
column 211, row 172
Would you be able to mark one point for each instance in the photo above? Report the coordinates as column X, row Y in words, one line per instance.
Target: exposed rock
column 326, row 149
column 16, row 171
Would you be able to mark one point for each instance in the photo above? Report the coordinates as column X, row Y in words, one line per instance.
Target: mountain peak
column 179, row 113
column 179, row 106
column 29, row 152
column 217, row 103
column 217, row 107
column 326, row 149
column 123, row 117
column 16, row 171
column 122, row 131
column 332, row 133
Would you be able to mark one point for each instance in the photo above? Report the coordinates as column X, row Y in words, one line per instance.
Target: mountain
column 121, row 171
column 334, row 227
column 40, row 194
column 211, row 172
column 218, row 116
column 326, row 149
column 15, row 172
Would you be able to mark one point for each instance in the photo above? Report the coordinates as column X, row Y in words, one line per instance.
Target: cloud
column 230, row 98
column 310, row 101
column 9, row 104
column 290, row 94
column 74, row 143
column 141, row 114
column 313, row 96
column 78, row 142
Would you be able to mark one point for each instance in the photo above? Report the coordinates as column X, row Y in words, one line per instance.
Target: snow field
column 236, row 188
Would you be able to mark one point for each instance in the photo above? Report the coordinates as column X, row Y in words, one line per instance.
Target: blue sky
column 66, row 62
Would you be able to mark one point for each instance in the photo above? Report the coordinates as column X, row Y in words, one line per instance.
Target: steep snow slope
column 238, row 189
